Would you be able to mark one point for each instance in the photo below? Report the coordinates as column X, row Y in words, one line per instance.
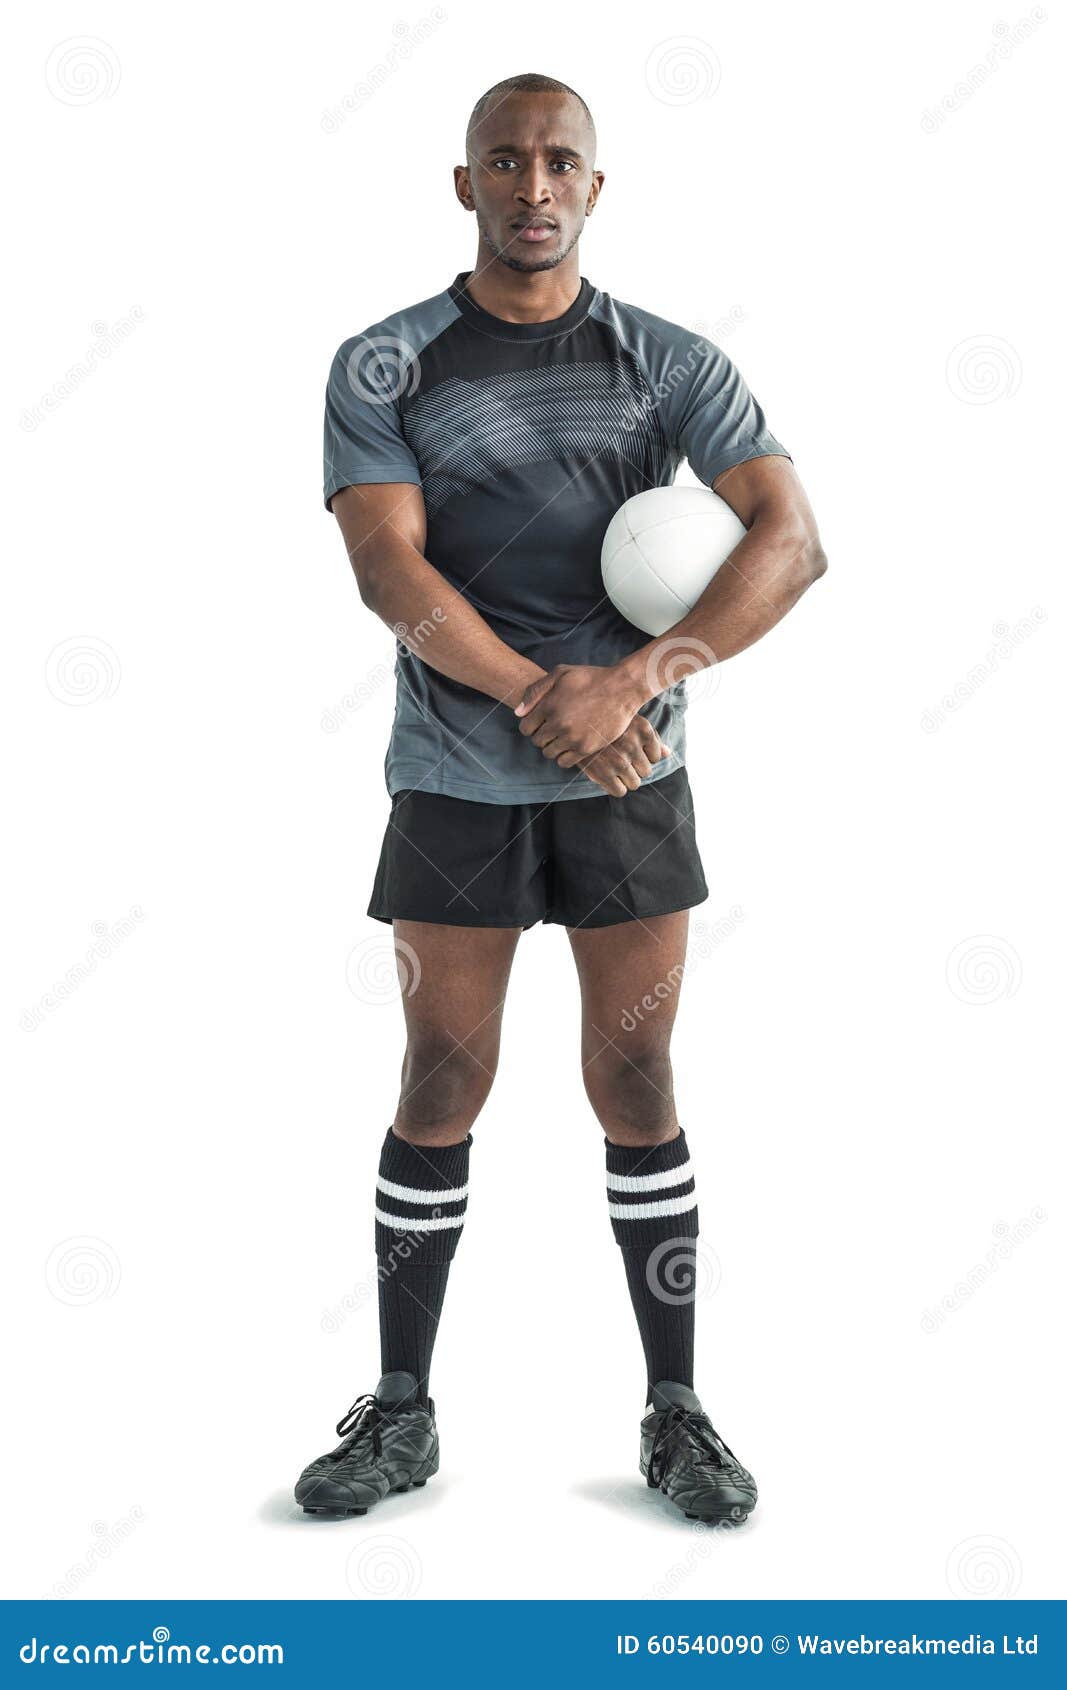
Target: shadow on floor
column 630, row 1496
column 279, row 1509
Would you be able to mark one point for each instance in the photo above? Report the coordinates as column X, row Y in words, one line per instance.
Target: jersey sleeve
column 363, row 439
column 714, row 419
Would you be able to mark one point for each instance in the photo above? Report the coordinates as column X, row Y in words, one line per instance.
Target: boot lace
column 688, row 1425
column 363, row 1420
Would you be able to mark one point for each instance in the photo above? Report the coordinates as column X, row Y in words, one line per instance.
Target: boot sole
column 719, row 1517
column 341, row 1511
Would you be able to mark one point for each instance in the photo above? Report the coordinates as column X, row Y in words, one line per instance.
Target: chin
column 529, row 266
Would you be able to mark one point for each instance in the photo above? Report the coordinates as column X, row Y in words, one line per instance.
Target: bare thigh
column 457, row 979
column 630, row 977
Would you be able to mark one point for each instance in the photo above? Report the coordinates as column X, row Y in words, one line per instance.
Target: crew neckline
column 500, row 329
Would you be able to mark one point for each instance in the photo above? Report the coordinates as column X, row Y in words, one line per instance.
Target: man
column 477, row 446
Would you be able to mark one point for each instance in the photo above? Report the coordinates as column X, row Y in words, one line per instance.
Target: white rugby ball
column 661, row 550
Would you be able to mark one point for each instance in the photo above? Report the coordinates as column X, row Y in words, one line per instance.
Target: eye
column 504, row 164
column 564, row 164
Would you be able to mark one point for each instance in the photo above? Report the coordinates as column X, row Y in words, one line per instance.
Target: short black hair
column 530, row 82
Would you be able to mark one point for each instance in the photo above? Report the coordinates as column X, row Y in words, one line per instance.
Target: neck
column 524, row 296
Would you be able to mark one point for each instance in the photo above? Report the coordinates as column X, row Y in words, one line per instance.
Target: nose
column 533, row 188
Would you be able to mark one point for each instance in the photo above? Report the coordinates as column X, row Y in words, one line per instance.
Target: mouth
column 538, row 230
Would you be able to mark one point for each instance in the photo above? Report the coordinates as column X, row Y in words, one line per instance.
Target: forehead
column 532, row 122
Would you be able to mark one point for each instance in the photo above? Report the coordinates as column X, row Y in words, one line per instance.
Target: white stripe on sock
column 417, row 1223
column 650, row 1211
column 651, row 1182
column 416, row 1194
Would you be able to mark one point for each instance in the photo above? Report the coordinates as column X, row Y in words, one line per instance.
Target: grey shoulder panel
column 658, row 345
column 407, row 332
column 707, row 412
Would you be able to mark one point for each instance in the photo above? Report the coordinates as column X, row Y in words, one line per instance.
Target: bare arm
column 384, row 529
column 761, row 580
column 574, row 709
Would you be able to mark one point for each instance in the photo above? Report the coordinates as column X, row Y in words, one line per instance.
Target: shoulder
column 653, row 339
column 397, row 339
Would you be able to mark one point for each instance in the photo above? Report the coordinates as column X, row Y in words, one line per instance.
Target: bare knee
column 632, row 1093
column 443, row 1086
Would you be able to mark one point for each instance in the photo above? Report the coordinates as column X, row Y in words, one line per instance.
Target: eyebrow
column 551, row 147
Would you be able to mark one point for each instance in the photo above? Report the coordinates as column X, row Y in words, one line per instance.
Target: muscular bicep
column 767, row 488
column 373, row 517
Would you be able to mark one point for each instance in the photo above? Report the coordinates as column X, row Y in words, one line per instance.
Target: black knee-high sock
column 653, row 1208
column 419, row 1208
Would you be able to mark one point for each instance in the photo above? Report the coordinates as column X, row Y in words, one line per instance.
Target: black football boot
column 683, row 1456
column 388, row 1443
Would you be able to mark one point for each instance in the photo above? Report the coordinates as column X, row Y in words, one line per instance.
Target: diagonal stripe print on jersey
column 468, row 433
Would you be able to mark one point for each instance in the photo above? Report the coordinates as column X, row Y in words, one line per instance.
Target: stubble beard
column 528, row 266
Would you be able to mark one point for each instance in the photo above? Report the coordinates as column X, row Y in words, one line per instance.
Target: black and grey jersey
column 525, row 439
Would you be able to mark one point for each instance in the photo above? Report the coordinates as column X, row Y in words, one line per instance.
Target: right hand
column 620, row 767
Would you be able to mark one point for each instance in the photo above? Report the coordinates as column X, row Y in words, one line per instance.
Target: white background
column 864, row 1063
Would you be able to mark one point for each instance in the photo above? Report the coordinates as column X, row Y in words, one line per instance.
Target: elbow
column 368, row 580
column 796, row 549
column 808, row 560
column 818, row 562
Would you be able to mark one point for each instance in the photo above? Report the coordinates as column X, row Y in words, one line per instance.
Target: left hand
column 578, row 708
column 622, row 766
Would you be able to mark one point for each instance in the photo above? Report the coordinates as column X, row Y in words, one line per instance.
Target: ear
column 461, row 176
column 594, row 191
